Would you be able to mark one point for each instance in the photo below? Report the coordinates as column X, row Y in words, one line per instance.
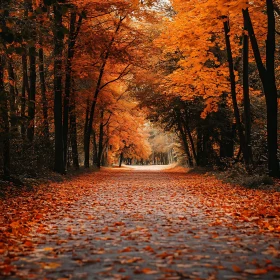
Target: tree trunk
column 199, row 147
column 100, row 142
column 272, row 102
column 46, row 131
column 59, row 165
column 94, row 149
column 267, row 76
column 32, row 79
column 73, row 132
column 25, row 81
column 188, row 133
column 184, row 138
column 233, row 95
column 12, row 97
column 25, row 89
column 227, row 140
column 68, row 70
column 91, row 114
column 86, row 137
column 246, row 98
column 32, row 93
column 73, row 32
column 5, row 128
column 121, row 159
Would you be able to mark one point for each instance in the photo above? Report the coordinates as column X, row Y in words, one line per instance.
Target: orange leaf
column 149, row 249
column 236, row 268
column 28, row 243
column 126, row 249
column 256, row 271
column 149, row 271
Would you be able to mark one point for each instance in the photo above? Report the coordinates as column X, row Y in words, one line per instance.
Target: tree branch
column 122, row 74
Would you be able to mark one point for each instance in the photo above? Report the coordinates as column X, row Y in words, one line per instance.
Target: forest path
column 144, row 223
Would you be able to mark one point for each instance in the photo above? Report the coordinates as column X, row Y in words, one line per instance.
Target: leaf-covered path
column 142, row 224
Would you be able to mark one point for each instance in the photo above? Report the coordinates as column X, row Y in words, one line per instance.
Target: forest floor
column 140, row 223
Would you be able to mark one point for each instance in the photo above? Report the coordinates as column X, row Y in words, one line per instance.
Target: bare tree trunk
column 59, row 165
column 86, row 137
column 73, row 33
column 272, row 104
column 73, row 131
column 5, row 128
column 88, row 130
column 246, row 98
column 94, row 149
column 199, row 147
column 233, row 95
column 184, row 137
column 32, row 93
column 121, row 159
column 44, row 100
column 25, row 89
column 12, row 97
column 100, row 141
column 25, row 81
column 188, row 133
column 267, row 76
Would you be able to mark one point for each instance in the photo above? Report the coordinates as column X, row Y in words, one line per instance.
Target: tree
column 267, row 76
column 58, row 34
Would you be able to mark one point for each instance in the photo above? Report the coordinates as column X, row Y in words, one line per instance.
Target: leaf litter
column 141, row 224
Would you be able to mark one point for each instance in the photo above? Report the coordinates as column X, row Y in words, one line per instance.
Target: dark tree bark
column 4, row 113
column 233, row 95
column 12, row 97
column 59, row 165
column 32, row 93
column 104, row 157
column 32, row 74
column 5, row 128
column 46, row 130
column 183, row 136
column 121, row 159
column 94, row 149
column 91, row 113
column 192, row 142
column 271, row 93
column 189, row 135
column 100, row 141
column 31, row 97
column 86, row 137
column 199, row 149
column 227, row 131
column 73, row 33
column 246, row 97
column 25, row 81
column 73, row 131
column 25, row 89
column 227, row 140
column 267, row 76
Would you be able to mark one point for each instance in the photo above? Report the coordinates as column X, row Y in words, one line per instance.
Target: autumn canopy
column 89, row 82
